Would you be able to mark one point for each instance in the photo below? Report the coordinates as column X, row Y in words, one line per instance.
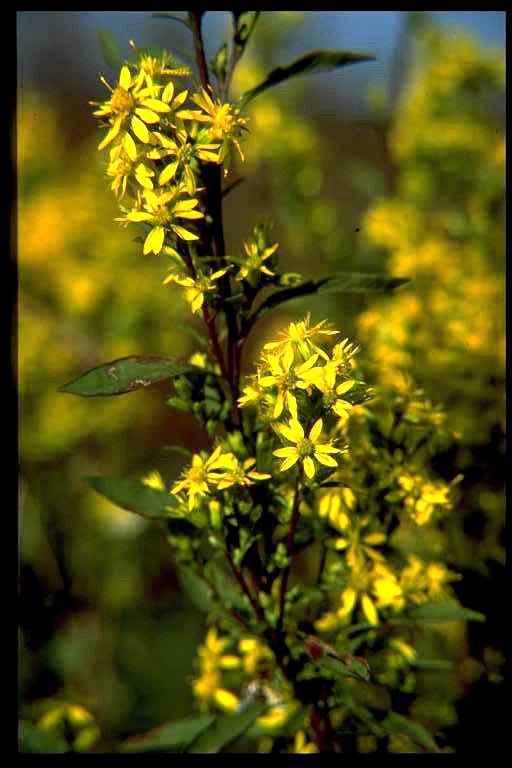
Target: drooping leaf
column 226, row 729
column 170, row 737
column 32, row 739
column 340, row 282
column 126, row 375
column 395, row 723
column 444, row 612
column 137, row 497
column 316, row 61
column 110, row 49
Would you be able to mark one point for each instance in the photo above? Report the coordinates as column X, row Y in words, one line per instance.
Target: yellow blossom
column 300, row 746
column 285, row 377
column 182, row 151
column 255, row 258
column 195, row 288
column 226, row 124
column 301, row 334
column 359, row 545
column 132, row 107
column 198, row 478
column 305, row 448
column 162, row 209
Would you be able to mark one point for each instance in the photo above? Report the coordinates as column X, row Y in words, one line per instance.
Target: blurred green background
column 396, row 165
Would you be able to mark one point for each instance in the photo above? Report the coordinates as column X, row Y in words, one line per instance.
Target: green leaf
column 316, row 61
column 170, row 737
column 110, row 49
column 171, row 17
column 340, row 282
column 226, row 587
column 32, row 739
column 395, row 723
column 197, row 589
column 225, row 729
column 135, row 496
column 444, row 612
column 126, row 375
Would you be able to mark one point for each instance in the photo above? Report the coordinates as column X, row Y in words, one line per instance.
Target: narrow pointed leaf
column 340, row 282
column 110, row 49
column 395, row 723
column 226, row 729
column 171, row 17
column 126, row 375
column 135, row 496
column 316, row 61
column 444, row 612
column 197, row 589
column 170, row 737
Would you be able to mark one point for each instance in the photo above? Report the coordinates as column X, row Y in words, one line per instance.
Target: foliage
column 278, row 666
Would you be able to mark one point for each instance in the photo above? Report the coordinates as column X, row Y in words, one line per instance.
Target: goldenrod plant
column 446, row 217
column 292, row 529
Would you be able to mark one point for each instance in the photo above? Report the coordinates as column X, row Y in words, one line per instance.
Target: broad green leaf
column 340, row 282
column 444, row 612
column 110, row 49
column 137, row 497
column 395, row 723
column 32, row 739
column 226, row 729
column 316, row 61
column 171, row 737
column 126, row 375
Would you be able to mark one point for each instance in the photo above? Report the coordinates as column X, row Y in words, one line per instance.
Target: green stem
column 290, row 548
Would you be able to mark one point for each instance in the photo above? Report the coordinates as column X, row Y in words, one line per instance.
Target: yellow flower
column 183, row 151
column 226, row 125
column 358, row 544
column 235, row 473
column 330, row 507
column 155, row 67
column 324, row 379
column 132, row 107
column 254, row 653
column 199, row 476
column 285, row 379
column 305, row 448
column 162, row 209
column 121, row 168
column 195, row 288
column 255, row 258
column 301, row 334
column 251, row 394
column 300, row 746
column 154, row 480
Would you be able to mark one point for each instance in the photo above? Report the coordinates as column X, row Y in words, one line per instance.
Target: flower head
column 306, row 449
column 162, row 209
column 195, row 288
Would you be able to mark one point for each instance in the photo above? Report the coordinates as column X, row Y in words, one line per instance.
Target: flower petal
column 316, row 431
column 309, row 467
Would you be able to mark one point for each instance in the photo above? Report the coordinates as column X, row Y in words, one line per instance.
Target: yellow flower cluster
column 156, row 146
column 445, row 227
column 291, row 373
column 423, row 497
column 219, row 471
